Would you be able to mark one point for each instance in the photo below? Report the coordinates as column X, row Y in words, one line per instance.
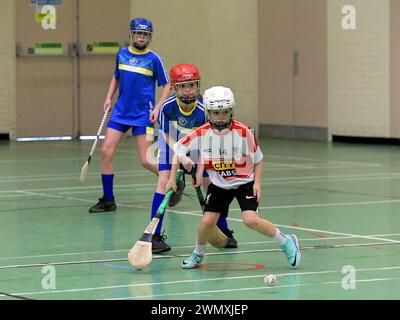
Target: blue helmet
column 141, row 24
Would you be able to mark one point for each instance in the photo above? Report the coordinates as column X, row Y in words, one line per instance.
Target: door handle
column 295, row 62
column 89, row 53
column 19, row 52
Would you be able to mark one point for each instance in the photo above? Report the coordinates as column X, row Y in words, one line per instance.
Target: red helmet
column 183, row 77
column 184, row 72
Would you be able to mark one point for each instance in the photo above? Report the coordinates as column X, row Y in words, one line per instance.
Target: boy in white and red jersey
column 228, row 150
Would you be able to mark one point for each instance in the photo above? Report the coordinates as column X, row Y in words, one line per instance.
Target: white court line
column 70, row 178
column 135, row 172
column 224, row 253
column 318, row 160
column 178, row 247
column 56, row 160
column 60, row 175
column 96, row 191
column 72, row 188
column 202, row 280
column 300, row 228
column 361, row 175
column 280, row 165
column 266, row 181
column 248, row 289
column 328, row 180
column 132, row 191
column 320, row 167
column 193, row 213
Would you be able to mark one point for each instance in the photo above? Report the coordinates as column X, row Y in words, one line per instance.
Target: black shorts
column 218, row 199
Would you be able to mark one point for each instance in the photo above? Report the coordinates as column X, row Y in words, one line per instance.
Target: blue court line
column 110, row 265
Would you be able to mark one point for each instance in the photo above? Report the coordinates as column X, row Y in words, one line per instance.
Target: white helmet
column 217, row 99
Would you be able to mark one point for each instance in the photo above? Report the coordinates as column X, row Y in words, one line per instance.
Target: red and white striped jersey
column 229, row 156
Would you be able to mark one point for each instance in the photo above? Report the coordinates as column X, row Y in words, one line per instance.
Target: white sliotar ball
column 270, row 280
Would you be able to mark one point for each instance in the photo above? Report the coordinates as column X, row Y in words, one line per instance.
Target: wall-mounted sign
column 47, row 48
column 45, row 2
column 104, row 47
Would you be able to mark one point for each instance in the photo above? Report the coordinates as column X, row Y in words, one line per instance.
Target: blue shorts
column 136, row 130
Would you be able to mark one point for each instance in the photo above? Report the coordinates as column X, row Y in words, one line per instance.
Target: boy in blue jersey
column 180, row 114
column 137, row 70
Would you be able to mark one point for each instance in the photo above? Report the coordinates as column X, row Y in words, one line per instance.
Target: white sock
column 279, row 237
column 200, row 248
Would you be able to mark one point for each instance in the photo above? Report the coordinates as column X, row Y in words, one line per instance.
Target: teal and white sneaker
column 292, row 250
column 192, row 261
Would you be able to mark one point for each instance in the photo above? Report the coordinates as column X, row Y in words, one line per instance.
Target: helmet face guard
column 185, row 79
column 140, row 33
column 140, row 40
column 220, row 107
column 187, row 91
column 220, row 119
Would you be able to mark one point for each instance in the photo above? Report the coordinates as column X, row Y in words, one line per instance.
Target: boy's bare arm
column 257, row 180
column 154, row 113
column 199, row 173
column 171, row 184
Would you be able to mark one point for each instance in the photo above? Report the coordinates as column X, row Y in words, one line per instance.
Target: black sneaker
column 177, row 196
column 158, row 244
column 232, row 243
column 103, row 205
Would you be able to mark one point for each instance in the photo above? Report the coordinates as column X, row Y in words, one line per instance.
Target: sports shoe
column 232, row 243
column 158, row 243
column 103, row 205
column 292, row 250
column 177, row 196
column 192, row 261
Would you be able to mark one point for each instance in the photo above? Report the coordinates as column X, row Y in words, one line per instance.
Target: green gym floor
column 341, row 200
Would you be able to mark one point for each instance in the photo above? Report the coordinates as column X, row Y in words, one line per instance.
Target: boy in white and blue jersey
column 180, row 114
column 137, row 71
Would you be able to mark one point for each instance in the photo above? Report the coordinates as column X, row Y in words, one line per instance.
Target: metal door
column 103, row 25
column 63, row 72
column 44, row 79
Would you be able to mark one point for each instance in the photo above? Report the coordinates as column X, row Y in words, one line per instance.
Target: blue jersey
column 177, row 123
column 137, row 73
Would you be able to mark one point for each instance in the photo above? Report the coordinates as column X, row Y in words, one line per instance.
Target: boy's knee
column 107, row 152
column 250, row 221
column 145, row 162
column 208, row 221
column 162, row 180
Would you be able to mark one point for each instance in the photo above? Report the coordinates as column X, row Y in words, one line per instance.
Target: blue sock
column 158, row 198
column 222, row 223
column 108, row 186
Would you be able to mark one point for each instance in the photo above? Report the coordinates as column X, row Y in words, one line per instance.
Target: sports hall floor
column 341, row 200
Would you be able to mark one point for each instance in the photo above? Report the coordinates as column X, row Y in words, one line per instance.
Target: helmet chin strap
column 140, row 46
column 221, row 127
column 187, row 100
column 137, row 45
